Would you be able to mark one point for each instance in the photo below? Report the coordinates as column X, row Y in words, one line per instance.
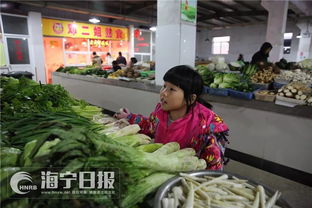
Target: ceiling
column 210, row 13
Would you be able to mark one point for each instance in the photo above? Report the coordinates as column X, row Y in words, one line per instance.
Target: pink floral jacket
column 200, row 129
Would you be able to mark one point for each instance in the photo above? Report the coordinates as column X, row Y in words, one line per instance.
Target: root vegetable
column 289, row 94
column 303, row 97
column 293, row 90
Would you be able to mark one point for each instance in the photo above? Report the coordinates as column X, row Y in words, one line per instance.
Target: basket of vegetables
column 216, row 189
column 265, row 95
column 295, row 93
column 263, row 78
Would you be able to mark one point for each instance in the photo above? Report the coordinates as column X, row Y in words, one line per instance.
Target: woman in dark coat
column 263, row 54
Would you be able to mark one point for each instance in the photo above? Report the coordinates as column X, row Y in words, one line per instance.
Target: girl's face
column 172, row 98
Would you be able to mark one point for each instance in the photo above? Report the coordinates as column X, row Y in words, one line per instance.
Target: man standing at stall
column 96, row 60
column 121, row 59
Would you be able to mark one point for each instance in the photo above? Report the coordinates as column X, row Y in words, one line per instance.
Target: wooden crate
column 264, row 97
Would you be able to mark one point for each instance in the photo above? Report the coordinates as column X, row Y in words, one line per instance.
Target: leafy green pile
column 26, row 96
column 249, row 70
column 88, row 70
column 73, row 143
column 232, row 81
column 206, row 74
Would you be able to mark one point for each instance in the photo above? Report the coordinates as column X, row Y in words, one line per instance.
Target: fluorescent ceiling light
column 94, row 20
column 153, row 29
column 298, row 36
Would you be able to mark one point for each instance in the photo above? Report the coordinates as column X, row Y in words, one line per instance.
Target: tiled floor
column 296, row 194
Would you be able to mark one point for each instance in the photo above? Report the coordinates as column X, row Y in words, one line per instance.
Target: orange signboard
column 52, row 27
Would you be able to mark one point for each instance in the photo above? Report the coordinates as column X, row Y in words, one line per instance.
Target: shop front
column 68, row 43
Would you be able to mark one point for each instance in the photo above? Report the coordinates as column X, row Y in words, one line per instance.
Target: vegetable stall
column 68, row 134
column 262, row 81
column 43, row 126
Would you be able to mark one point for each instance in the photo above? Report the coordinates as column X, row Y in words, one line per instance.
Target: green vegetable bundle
column 73, row 143
column 26, row 96
column 206, row 74
column 249, row 70
column 88, row 70
column 232, row 81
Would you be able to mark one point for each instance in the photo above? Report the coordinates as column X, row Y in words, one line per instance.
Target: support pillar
column 276, row 26
column 175, row 38
column 305, row 40
column 36, row 46
column 131, row 39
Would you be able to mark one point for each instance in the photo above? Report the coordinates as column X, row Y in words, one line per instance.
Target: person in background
column 109, row 59
column 96, row 60
column 240, row 57
column 133, row 61
column 115, row 66
column 262, row 55
column 182, row 117
column 121, row 59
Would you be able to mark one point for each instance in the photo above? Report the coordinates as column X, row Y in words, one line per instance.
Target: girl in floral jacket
column 181, row 116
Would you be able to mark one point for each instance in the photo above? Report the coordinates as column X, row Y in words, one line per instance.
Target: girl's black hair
column 186, row 78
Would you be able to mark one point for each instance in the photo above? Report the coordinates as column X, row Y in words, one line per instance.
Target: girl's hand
column 123, row 113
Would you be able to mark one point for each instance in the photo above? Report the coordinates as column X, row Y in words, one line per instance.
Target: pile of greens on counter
column 44, row 129
column 73, row 143
column 206, row 74
column 26, row 96
column 232, row 81
column 88, row 70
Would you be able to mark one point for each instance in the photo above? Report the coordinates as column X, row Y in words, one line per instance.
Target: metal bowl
column 168, row 185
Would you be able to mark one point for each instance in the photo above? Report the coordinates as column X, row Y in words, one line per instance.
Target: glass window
column 220, row 45
column 146, row 58
column 76, row 44
column 54, row 55
column 100, row 45
column 18, row 50
column 138, row 57
column 15, row 25
column 122, row 46
column 77, row 59
column 142, row 41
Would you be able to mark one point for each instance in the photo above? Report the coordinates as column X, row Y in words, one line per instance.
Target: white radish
column 262, row 196
column 303, row 97
column 289, row 94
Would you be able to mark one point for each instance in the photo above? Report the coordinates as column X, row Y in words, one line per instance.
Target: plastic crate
column 263, row 86
column 241, row 95
column 277, row 85
column 218, row 91
column 289, row 102
column 245, row 95
column 206, row 90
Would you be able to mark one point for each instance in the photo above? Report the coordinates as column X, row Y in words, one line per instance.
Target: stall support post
column 305, row 39
column 276, row 26
column 36, row 45
column 131, row 40
column 175, row 38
